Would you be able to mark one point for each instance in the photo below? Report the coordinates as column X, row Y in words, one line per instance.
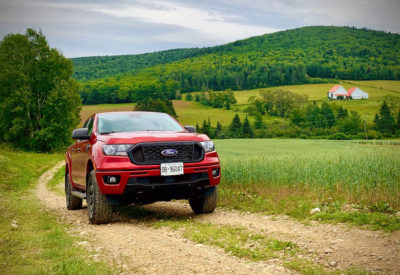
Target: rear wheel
column 205, row 203
column 99, row 210
column 72, row 201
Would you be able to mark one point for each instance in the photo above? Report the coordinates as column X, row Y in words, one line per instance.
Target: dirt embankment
column 137, row 248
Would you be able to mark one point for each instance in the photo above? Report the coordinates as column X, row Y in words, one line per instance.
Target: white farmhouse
column 336, row 91
column 356, row 93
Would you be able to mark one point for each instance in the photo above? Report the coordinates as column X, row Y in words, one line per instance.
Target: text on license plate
column 171, row 169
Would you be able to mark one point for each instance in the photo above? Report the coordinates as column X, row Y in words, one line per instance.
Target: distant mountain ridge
column 296, row 56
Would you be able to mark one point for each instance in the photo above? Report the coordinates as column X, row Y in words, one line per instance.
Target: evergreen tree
column 206, row 129
column 197, row 127
column 385, row 123
column 236, row 126
column 247, row 131
column 218, row 130
column 197, row 98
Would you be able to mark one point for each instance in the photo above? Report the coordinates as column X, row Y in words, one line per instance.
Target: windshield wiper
column 106, row 133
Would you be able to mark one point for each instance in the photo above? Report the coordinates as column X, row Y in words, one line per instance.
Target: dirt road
column 137, row 248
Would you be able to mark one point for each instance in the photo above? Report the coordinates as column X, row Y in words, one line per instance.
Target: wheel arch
column 89, row 168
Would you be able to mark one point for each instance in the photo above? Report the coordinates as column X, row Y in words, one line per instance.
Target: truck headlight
column 116, row 149
column 208, row 146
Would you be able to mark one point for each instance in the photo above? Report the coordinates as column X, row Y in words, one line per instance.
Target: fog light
column 111, row 179
column 215, row 172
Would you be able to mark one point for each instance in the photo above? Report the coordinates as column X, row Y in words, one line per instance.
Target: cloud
column 98, row 27
column 206, row 25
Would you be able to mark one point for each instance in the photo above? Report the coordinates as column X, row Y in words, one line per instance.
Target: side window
column 90, row 126
column 85, row 125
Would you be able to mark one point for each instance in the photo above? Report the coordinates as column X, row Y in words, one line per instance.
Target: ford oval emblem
column 169, row 152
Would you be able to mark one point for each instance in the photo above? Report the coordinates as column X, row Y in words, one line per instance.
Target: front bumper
column 195, row 174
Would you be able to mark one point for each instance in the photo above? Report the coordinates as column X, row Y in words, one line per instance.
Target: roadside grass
column 234, row 240
column 348, row 182
column 56, row 180
column 31, row 239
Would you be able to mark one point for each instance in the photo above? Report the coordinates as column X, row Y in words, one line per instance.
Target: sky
column 98, row 27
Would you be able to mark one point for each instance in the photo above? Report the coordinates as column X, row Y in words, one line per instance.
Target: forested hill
column 304, row 55
column 87, row 68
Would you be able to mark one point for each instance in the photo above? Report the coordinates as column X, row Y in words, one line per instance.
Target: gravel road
column 134, row 247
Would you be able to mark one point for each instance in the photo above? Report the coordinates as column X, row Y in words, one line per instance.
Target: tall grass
column 363, row 174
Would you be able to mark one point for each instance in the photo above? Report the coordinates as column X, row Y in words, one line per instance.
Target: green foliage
column 259, row 122
column 247, row 131
column 206, row 128
column 189, row 97
column 156, row 105
column 384, row 121
column 278, row 102
column 304, row 55
column 39, row 102
column 236, row 126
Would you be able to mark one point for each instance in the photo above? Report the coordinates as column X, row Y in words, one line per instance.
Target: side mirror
column 81, row 133
column 190, row 129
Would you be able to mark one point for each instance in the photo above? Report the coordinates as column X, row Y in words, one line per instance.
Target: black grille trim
column 150, row 153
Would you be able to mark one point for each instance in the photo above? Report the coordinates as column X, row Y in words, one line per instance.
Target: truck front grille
column 150, row 153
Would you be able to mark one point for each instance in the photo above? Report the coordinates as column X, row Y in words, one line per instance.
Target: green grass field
column 376, row 89
column 294, row 176
column 190, row 113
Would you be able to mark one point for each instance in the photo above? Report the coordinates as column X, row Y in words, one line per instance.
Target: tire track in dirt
column 136, row 248
column 339, row 246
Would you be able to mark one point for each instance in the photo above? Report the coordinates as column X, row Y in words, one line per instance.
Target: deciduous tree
column 39, row 102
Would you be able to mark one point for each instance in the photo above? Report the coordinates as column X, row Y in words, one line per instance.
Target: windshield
column 133, row 122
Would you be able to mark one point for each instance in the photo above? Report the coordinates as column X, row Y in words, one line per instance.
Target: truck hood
column 150, row 136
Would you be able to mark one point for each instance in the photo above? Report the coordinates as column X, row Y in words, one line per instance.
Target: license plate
column 171, row 169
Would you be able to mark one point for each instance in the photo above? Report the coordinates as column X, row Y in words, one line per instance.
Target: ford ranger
column 120, row 158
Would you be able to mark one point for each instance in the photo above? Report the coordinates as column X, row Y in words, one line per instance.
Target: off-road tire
column 72, row 201
column 99, row 210
column 205, row 203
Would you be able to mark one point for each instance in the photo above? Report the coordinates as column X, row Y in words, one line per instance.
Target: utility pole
column 365, row 129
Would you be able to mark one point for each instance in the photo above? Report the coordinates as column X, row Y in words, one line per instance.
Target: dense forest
column 304, row 55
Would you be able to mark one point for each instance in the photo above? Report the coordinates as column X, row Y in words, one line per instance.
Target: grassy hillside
column 304, row 55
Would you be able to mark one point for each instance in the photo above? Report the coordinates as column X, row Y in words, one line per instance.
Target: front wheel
column 99, row 210
column 205, row 203
column 72, row 201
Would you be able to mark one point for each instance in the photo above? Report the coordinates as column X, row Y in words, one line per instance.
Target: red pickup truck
column 121, row 158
